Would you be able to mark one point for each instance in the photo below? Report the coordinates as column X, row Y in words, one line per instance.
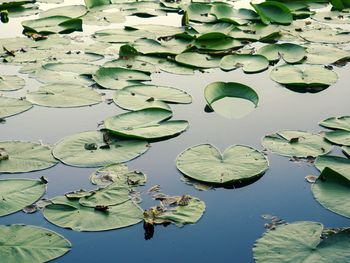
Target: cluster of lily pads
column 212, row 35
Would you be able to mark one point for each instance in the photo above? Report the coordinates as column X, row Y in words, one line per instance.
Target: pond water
column 232, row 220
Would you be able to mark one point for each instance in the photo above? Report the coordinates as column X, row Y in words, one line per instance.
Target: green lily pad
column 96, row 3
column 150, row 123
column 323, row 54
column 64, row 95
column 11, row 83
column 78, row 68
column 217, row 93
column 331, row 190
column 119, row 35
column 338, row 164
column 333, row 17
column 71, row 11
column 300, row 242
column 118, row 78
column 25, row 157
column 296, row 144
column 273, row 12
column 149, row 96
column 133, row 64
column 346, row 150
column 68, row 213
column 168, row 66
column 11, row 106
column 163, row 48
column 205, row 163
column 19, row 193
column 117, row 173
column 102, row 18
column 199, row 12
column 307, row 76
column 31, row 243
column 249, row 63
column 339, row 137
column 95, row 148
column 339, row 123
column 290, row 53
column 197, row 60
column 326, row 35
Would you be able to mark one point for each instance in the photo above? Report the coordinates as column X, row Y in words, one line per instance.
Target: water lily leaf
column 25, row 157
column 93, row 149
column 346, row 150
column 331, row 190
column 133, row 64
column 11, row 106
column 205, row 163
column 273, row 12
column 326, row 35
column 257, row 32
column 290, row 53
column 197, row 60
column 311, row 76
column 168, row 66
column 338, row 164
column 301, row 241
column 296, row 144
column 118, row 173
column 149, row 96
column 52, row 25
column 113, row 194
column 338, row 123
column 119, row 35
column 78, row 68
column 161, row 48
column 338, row 137
column 71, row 11
column 68, row 213
column 95, row 3
column 150, row 123
column 340, row 4
column 334, row 17
column 226, row 13
column 249, row 63
column 11, row 83
column 103, row 18
column 31, row 243
column 242, row 99
column 64, row 95
column 19, row 193
column 199, row 12
column 118, row 78
column 323, row 54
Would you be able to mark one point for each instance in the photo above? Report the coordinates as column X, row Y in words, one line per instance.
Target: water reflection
column 233, row 108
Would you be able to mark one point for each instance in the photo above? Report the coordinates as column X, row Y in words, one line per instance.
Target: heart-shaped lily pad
column 11, row 106
column 11, row 83
column 205, row 163
column 249, row 63
column 339, row 123
column 290, row 53
column 296, row 144
column 150, row 123
column 96, row 148
column 273, row 12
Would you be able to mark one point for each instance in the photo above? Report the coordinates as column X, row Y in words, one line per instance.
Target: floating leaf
column 11, row 106
column 150, row 123
column 333, row 17
column 296, row 144
column 290, row 53
column 25, row 157
column 273, row 12
column 90, row 149
column 301, row 241
column 339, row 123
column 11, row 83
column 31, row 243
column 249, row 63
column 326, row 35
column 338, row 164
column 205, row 163
column 197, row 60
column 339, row 137
column 323, row 54
column 78, row 68
column 71, row 11
column 15, row 194
column 346, row 150
column 64, row 95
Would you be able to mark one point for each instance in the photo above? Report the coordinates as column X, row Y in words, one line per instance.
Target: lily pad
column 311, row 76
column 346, row 150
column 196, row 60
column 64, row 95
column 290, row 53
column 339, row 123
column 11, row 106
column 78, row 68
column 25, row 157
column 31, row 243
column 205, row 163
column 300, row 242
column 96, row 148
column 68, row 213
column 333, row 17
column 331, row 190
column 249, row 63
column 330, row 36
column 336, row 163
column 71, row 11
column 339, row 137
column 323, row 54
column 150, row 123
column 273, row 12
column 11, row 83
column 296, row 144
column 15, row 194
column 149, row 96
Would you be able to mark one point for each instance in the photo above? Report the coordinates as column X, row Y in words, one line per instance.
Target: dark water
column 232, row 221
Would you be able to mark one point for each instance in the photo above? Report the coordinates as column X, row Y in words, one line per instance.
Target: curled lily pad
column 31, row 243
column 217, row 93
column 339, row 137
column 150, row 123
column 149, row 96
column 96, row 148
column 301, row 241
column 11, row 106
column 290, row 53
column 15, row 194
column 273, row 12
column 338, row 123
column 11, row 83
column 249, row 63
column 64, row 95
column 117, row 173
column 25, row 157
column 308, row 76
column 197, row 60
column 338, row 164
column 331, row 190
column 296, row 144
column 205, row 163
column 69, row 213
